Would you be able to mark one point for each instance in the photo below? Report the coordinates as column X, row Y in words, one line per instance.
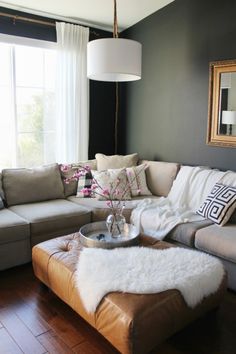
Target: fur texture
column 143, row 270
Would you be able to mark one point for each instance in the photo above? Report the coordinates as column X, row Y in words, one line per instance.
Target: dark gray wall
column 165, row 113
column 102, row 118
column 101, row 112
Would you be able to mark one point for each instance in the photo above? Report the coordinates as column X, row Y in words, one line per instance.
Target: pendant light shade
column 114, row 59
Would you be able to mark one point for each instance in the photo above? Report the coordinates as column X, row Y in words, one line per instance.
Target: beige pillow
column 71, row 188
column 160, row 176
column 107, row 180
column 25, row 185
column 137, row 179
column 105, row 162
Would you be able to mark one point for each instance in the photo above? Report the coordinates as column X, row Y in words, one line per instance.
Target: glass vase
column 115, row 223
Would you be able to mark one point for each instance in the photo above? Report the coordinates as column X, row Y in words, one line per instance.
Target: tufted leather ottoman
column 132, row 323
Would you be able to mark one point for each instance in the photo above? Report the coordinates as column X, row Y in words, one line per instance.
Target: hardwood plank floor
column 33, row 320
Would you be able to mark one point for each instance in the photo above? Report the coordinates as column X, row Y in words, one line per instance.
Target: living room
column 165, row 122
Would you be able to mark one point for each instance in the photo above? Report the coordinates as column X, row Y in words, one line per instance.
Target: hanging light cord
column 116, row 117
column 115, row 24
column 115, row 35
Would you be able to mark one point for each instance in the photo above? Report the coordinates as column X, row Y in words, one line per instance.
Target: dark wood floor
column 34, row 321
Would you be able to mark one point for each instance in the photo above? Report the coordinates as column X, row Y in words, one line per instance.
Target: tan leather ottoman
column 132, row 323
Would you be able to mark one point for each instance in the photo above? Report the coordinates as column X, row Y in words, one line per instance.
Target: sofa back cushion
column 71, row 188
column 23, row 185
column 160, row 176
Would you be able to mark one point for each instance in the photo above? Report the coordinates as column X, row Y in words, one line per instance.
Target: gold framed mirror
column 221, row 129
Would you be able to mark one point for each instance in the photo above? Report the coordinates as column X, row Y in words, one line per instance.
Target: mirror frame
column 215, row 70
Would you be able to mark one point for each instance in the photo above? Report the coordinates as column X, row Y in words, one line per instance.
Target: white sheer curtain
column 72, row 93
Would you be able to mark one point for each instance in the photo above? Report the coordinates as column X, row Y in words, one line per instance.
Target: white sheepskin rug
column 143, row 270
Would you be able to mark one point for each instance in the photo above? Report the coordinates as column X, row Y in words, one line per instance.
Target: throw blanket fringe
column 143, row 270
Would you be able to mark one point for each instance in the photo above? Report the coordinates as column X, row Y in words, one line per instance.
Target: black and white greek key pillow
column 219, row 204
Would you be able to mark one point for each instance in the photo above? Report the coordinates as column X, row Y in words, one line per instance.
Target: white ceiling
column 98, row 13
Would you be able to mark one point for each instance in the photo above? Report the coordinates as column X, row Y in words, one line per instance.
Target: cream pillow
column 108, row 180
column 105, row 162
column 137, row 179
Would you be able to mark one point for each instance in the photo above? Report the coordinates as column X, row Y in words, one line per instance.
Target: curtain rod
column 32, row 20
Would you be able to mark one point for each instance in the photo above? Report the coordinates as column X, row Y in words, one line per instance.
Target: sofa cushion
column 160, row 176
column 12, row 227
column 25, row 185
column 185, row 233
column 219, row 204
column 112, row 181
column 100, row 210
column 218, row 241
column 84, row 185
column 137, row 179
column 71, row 188
column 105, row 162
column 52, row 218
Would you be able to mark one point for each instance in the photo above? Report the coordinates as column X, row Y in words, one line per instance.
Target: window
column 27, row 105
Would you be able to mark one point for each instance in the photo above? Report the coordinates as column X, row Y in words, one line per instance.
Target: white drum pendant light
column 114, row 59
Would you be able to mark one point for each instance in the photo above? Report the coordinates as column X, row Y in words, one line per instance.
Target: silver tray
column 89, row 236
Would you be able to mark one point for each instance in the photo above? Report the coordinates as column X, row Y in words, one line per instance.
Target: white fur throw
column 143, row 270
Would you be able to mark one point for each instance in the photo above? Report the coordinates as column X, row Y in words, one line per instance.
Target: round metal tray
column 90, row 236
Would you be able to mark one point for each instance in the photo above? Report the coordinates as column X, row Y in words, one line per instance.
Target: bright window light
column 27, row 105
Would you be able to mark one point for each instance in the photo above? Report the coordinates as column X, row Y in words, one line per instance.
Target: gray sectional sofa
column 37, row 210
column 40, row 206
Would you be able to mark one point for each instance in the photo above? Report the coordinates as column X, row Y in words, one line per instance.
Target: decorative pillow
column 137, row 179
column 109, row 179
column 71, row 188
column 85, row 181
column 105, row 162
column 219, row 205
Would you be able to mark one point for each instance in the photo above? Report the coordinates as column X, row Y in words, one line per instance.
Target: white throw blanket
column 158, row 217
column 143, row 270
